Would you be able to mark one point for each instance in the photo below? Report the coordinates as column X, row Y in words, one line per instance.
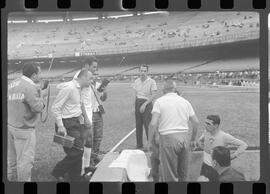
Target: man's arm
column 153, row 93
column 241, row 145
column 195, row 124
column 153, row 126
column 87, row 107
column 60, row 99
column 33, row 99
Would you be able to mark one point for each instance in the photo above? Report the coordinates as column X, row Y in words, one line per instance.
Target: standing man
column 72, row 120
column 170, row 116
column 25, row 102
column 88, row 101
column 97, row 120
column 145, row 92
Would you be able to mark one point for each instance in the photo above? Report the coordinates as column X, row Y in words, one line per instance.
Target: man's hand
column 233, row 156
column 142, row 108
column 44, row 93
column 62, row 131
column 87, row 123
column 200, row 144
column 193, row 145
column 148, row 146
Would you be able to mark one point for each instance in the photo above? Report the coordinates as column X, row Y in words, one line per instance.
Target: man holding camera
column 72, row 120
column 25, row 102
column 99, row 95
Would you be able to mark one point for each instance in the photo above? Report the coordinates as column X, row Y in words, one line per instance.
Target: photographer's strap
column 47, row 107
column 95, row 94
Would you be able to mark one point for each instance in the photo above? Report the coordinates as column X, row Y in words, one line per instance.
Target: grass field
column 238, row 108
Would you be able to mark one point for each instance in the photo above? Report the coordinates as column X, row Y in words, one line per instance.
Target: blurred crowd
column 233, row 78
column 137, row 32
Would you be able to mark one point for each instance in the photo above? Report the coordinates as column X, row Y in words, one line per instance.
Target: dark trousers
column 209, row 172
column 142, row 120
column 97, row 135
column 154, row 158
column 72, row 162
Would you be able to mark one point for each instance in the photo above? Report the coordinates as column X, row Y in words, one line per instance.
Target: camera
column 103, row 85
column 45, row 84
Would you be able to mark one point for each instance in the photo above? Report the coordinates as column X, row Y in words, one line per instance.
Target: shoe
column 58, row 178
column 89, row 170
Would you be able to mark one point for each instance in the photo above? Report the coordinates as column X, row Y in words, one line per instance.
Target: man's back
column 175, row 112
column 24, row 103
column 230, row 175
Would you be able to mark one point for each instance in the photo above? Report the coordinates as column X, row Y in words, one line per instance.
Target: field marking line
column 122, row 140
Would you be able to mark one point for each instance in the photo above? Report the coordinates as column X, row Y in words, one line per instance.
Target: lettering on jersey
column 14, row 84
column 16, row 96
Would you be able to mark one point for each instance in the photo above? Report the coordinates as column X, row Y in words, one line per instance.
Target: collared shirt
column 68, row 101
column 230, row 175
column 174, row 111
column 146, row 88
column 28, row 80
column 219, row 139
column 24, row 103
column 87, row 99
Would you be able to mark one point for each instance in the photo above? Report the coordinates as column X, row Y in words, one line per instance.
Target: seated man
column 221, row 159
column 213, row 137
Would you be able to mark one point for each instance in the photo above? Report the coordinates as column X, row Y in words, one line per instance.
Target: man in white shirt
column 88, row 100
column 145, row 92
column 72, row 120
column 170, row 116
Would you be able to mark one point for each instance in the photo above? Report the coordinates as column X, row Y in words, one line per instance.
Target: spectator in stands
column 170, row 116
column 25, row 102
column 145, row 92
column 213, row 136
column 221, row 159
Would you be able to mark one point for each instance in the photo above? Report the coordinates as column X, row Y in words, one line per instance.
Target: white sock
column 86, row 158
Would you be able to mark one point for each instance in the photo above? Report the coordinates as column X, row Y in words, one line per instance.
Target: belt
column 23, row 127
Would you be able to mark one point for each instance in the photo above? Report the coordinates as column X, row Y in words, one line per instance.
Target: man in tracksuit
column 25, row 102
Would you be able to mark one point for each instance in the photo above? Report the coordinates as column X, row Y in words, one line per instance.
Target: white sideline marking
column 122, row 140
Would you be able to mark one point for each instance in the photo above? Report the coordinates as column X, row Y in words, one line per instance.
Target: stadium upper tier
column 128, row 35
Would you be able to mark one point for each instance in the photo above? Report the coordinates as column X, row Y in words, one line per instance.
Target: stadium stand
column 137, row 33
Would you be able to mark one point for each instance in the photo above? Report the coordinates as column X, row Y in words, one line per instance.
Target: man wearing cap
column 25, row 102
column 145, row 92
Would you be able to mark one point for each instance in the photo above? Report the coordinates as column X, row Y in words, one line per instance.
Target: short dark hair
column 144, row 65
column 83, row 72
column 222, row 155
column 29, row 69
column 89, row 60
column 214, row 118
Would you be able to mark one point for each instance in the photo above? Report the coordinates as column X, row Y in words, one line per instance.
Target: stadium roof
column 73, row 14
